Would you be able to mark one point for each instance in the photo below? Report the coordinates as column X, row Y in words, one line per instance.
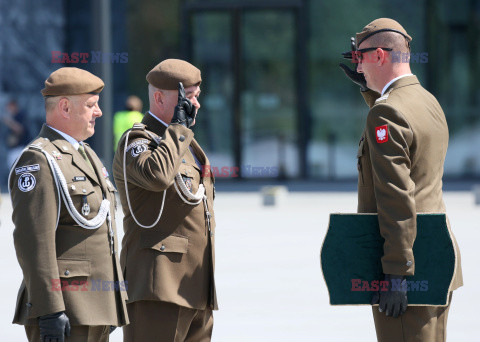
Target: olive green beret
column 381, row 25
column 168, row 73
column 72, row 81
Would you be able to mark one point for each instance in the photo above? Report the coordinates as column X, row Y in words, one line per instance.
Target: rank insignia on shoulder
column 27, row 168
column 381, row 133
column 56, row 155
column 26, row 182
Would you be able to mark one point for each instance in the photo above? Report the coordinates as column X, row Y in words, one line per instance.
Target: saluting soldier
column 64, row 216
column 167, row 196
column 400, row 161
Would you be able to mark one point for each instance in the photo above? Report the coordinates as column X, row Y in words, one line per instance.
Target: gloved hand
column 394, row 301
column 54, row 327
column 352, row 74
column 185, row 112
column 112, row 328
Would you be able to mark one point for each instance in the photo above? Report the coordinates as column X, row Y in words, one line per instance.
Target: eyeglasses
column 358, row 54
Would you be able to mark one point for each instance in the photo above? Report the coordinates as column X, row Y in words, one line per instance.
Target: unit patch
column 138, row 147
column 381, row 133
column 26, row 182
column 27, row 168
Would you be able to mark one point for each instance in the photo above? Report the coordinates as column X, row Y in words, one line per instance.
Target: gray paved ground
column 269, row 283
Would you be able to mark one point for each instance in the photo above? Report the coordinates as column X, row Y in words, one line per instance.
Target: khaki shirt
column 174, row 260
column 51, row 255
column 400, row 163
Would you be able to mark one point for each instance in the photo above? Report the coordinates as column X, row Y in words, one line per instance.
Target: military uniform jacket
column 174, row 260
column 65, row 267
column 400, row 163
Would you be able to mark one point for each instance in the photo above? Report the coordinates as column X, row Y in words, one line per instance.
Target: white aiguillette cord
column 61, row 183
column 197, row 198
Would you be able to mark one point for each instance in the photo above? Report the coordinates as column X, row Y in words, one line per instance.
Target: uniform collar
column 392, row 81
column 154, row 124
column 67, row 137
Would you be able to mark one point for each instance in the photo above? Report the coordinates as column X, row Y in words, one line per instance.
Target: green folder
column 351, row 253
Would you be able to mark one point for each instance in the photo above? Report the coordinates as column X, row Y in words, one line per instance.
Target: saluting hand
column 54, row 327
column 356, row 77
column 394, row 301
column 185, row 111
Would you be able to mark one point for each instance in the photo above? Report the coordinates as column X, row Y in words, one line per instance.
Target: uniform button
column 409, row 263
column 84, row 191
column 29, row 305
column 162, row 248
column 181, row 138
column 67, row 272
column 73, row 187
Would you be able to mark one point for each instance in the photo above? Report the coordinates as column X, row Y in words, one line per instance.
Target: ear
column 65, row 107
column 382, row 56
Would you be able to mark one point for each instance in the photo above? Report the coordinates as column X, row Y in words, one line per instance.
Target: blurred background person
column 125, row 119
column 17, row 136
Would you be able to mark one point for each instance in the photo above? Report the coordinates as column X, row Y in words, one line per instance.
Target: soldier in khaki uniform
column 168, row 249
column 63, row 211
column 400, row 162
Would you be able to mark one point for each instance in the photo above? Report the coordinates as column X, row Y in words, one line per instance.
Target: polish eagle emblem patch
column 381, row 133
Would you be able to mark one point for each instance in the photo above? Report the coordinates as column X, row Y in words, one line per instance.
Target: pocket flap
column 68, row 268
column 171, row 244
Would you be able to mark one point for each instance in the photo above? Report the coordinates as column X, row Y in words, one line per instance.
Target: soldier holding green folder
column 400, row 163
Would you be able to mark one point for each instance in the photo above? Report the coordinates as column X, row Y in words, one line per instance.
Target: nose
column 97, row 112
column 196, row 103
column 359, row 68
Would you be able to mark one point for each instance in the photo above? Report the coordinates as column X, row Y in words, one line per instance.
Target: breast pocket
column 85, row 199
column 190, row 177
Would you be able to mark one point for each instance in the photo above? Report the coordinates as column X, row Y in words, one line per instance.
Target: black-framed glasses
column 359, row 53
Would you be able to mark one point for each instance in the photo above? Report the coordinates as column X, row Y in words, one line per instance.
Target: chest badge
column 188, row 182
column 85, row 206
column 381, row 133
column 56, row 155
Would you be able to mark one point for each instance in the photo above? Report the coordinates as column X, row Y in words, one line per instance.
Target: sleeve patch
column 26, row 182
column 381, row 133
column 137, row 143
column 27, row 168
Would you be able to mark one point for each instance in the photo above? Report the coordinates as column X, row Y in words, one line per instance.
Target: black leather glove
column 54, row 327
column 185, row 112
column 112, row 328
column 352, row 74
column 394, row 301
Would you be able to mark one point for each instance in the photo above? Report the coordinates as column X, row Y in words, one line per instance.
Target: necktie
column 81, row 149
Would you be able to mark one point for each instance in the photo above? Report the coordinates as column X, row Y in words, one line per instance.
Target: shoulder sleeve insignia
column 138, row 147
column 381, row 134
column 26, row 182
